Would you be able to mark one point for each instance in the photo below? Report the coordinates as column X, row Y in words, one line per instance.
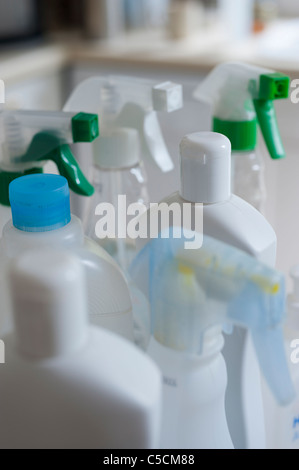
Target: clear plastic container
column 109, row 184
column 248, row 178
column 47, row 198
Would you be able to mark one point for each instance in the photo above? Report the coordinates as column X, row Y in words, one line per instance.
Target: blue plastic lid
column 40, row 203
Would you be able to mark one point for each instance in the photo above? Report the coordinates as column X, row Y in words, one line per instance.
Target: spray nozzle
column 273, row 86
column 128, row 102
column 30, row 138
column 194, row 292
column 242, row 96
column 85, row 127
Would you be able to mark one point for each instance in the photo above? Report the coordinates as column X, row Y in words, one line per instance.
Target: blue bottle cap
column 40, row 203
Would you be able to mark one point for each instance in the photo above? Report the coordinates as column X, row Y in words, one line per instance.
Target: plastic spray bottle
column 205, row 161
column 241, row 97
column 41, row 217
column 193, row 293
column 28, row 139
column 66, row 384
column 130, row 134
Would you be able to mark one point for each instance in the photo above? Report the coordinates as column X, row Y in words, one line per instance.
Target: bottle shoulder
column 81, row 401
column 69, row 236
column 236, row 223
column 207, row 373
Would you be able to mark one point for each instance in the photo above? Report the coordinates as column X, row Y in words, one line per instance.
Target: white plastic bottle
column 67, row 385
column 242, row 98
column 193, row 294
column 283, row 422
column 197, row 419
column 205, row 184
column 28, row 139
column 41, row 217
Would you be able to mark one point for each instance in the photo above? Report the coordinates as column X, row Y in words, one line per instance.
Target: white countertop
column 155, row 50
column 198, row 53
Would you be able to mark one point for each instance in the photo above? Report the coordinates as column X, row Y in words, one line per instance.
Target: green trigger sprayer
column 242, row 98
column 28, row 139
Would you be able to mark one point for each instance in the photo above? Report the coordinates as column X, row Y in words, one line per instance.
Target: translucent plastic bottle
column 41, row 217
column 130, row 134
column 119, row 180
column 248, row 181
column 242, row 98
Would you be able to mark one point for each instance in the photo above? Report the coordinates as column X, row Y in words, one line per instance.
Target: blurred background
column 47, row 47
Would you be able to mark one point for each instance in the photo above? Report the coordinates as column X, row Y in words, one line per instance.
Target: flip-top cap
column 40, row 203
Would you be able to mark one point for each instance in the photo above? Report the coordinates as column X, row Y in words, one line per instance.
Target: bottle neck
column 49, row 303
column 204, row 203
column 212, row 344
column 242, row 134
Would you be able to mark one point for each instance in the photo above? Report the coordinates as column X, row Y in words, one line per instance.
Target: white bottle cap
column 49, row 303
column 205, row 167
column 117, row 148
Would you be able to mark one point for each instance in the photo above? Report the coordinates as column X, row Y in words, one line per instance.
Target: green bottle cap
column 85, row 127
column 242, row 134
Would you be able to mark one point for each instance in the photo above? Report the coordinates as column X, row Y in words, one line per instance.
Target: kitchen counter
column 154, row 50
column 195, row 54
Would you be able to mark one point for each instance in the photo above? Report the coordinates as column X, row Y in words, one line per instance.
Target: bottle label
column 170, row 381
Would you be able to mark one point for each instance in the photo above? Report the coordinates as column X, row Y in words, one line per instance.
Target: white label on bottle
column 170, row 381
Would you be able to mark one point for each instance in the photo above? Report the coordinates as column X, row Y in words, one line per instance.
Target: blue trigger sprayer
column 193, row 294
